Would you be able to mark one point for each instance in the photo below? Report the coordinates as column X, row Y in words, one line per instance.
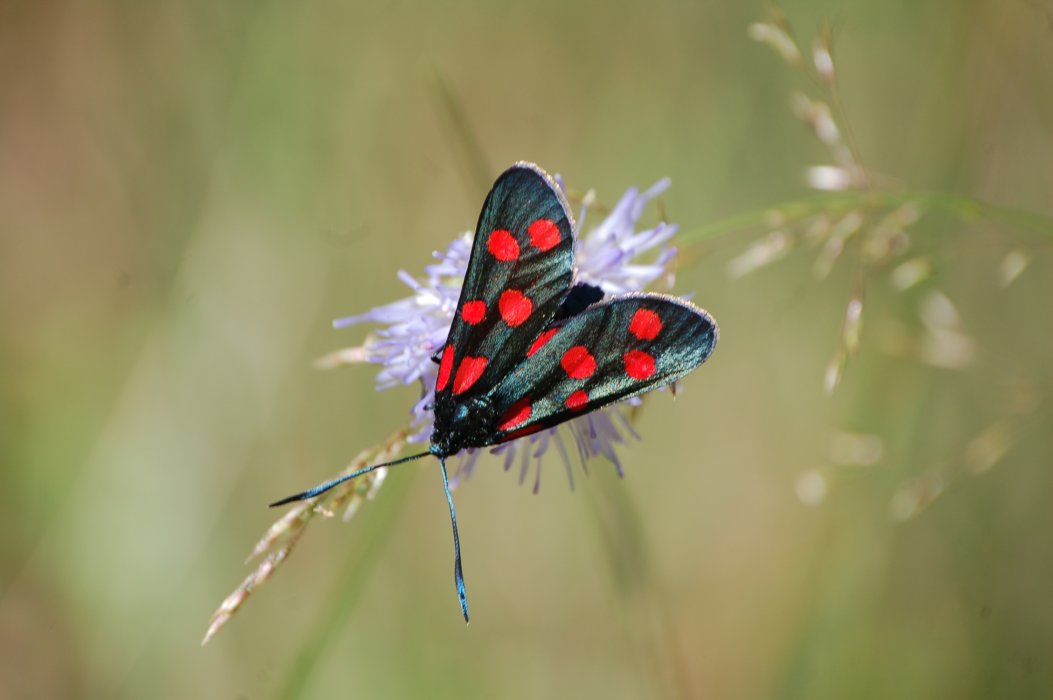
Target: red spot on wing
column 445, row 367
column 645, row 324
column 468, row 373
column 638, row 364
column 544, row 234
column 541, row 340
column 473, row 311
column 578, row 362
column 518, row 414
column 529, row 430
column 502, row 245
column 515, row 307
column 577, row 399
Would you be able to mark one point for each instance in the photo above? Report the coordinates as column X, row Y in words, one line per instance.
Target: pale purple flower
column 606, row 255
column 414, row 329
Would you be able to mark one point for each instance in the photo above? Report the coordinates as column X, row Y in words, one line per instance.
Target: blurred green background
column 190, row 191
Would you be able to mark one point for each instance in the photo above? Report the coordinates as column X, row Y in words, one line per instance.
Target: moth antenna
column 458, row 574
column 322, row 488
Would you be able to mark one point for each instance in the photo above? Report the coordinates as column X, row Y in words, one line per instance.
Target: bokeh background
column 190, row 191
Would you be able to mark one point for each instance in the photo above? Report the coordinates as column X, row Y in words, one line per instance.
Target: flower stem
column 962, row 206
column 333, row 617
column 620, row 527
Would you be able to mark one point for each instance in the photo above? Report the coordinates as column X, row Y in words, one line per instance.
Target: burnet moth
column 528, row 349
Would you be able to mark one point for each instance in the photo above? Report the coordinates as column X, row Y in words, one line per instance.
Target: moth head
column 463, row 423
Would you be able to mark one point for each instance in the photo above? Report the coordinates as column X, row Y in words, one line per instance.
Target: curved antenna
column 458, row 575
column 322, row 488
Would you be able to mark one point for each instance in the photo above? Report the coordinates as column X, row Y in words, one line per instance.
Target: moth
column 529, row 349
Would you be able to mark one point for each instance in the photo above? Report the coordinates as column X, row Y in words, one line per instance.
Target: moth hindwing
column 521, row 354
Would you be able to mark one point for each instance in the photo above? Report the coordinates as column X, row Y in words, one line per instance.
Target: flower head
column 413, row 330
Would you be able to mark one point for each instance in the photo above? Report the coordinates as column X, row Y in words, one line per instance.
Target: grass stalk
column 963, row 207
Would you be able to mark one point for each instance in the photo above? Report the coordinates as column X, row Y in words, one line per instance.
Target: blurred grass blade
column 462, row 134
column 334, row 616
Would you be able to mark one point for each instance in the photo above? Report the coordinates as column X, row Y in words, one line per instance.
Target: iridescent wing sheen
column 519, row 272
column 610, row 351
